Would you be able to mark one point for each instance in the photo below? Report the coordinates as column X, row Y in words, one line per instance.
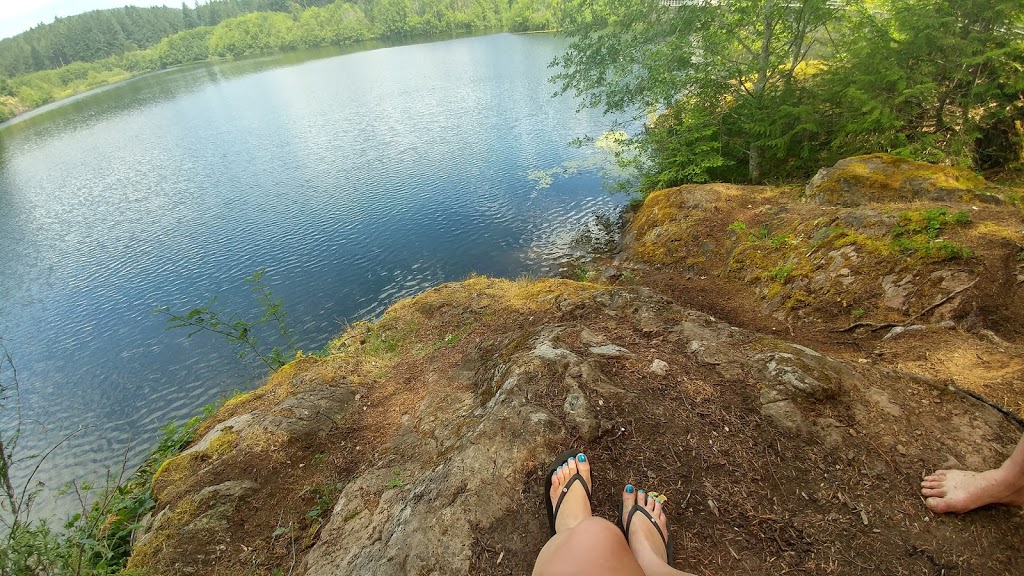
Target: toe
column 650, row 503
column 641, row 498
column 928, row 492
column 583, row 465
column 931, row 484
column 656, row 509
column 556, row 486
column 563, row 474
column 937, row 505
column 628, row 500
column 570, row 465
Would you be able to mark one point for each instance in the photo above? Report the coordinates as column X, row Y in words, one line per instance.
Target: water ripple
column 356, row 181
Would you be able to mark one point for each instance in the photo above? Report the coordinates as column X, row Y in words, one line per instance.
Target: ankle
column 648, row 557
column 1010, row 480
column 647, row 551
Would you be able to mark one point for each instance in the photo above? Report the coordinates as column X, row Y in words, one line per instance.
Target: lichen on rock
column 883, row 178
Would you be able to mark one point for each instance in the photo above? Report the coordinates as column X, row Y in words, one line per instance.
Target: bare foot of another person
column 959, row 491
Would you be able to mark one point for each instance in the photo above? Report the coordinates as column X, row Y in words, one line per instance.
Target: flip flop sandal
column 577, row 477
column 629, row 519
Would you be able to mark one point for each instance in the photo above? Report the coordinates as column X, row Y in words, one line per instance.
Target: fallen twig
column 940, row 302
column 875, row 327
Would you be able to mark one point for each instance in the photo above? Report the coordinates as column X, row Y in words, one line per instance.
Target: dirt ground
column 748, row 498
column 991, row 369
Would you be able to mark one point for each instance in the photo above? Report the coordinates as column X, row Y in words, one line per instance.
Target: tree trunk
column 760, row 85
column 755, row 163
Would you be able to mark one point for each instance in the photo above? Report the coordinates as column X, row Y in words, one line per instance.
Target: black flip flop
column 577, row 477
column 625, row 527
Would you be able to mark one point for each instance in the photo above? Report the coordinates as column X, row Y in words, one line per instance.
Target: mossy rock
column 883, row 178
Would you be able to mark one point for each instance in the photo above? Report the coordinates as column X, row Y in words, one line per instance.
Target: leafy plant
column 581, row 271
column 918, row 232
column 237, row 330
column 96, row 540
column 781, row 273
column 325, row 496
column 780, row 240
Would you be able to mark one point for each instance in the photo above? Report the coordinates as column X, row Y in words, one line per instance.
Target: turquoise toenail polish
column 640, row 491
column 629, row 488
column 581, row 458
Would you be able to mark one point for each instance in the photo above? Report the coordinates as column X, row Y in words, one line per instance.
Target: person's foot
column 644, row 540
column 960, row 491
column 575, row 505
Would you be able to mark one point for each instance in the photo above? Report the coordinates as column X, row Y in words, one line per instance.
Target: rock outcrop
column 417, row 446
column 882, row 178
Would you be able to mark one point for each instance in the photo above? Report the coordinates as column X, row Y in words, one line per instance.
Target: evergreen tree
column 941, row 80
column 188, row 17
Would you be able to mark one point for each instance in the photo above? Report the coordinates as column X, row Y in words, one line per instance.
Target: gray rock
column 236, row 424
column 992, row 338
column 785, row 414
column 546, row 351
column 610, row 351
column 589, row 338
column 895, row 293
column 578, row 411
column 783, row 369
column 659, row 367
column 884, row 178
column 898, row 330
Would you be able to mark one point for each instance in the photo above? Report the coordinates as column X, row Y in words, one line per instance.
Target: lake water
column 355, row 179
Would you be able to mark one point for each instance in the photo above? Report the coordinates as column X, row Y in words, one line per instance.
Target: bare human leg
column 582, row 544
column 960, row 491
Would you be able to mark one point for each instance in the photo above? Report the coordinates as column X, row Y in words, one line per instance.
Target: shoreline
column 29, row 112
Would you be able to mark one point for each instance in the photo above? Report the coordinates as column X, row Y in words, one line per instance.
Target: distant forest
column 99, row 34
column 77, row 53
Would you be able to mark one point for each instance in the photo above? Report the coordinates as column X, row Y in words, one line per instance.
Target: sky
column 16, row 16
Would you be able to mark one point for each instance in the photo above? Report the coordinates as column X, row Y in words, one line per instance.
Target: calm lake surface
column 354, row 179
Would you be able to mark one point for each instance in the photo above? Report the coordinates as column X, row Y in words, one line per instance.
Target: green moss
column 781, row 273
column 844, row 237
column 886, row 178
column 917, row 234
column 780, row 240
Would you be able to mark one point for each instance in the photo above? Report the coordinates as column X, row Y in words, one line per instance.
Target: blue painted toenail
column 581, row 458
column 640, row 492
column 629, row 488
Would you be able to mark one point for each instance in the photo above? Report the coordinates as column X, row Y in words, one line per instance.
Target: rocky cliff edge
column 418, row 445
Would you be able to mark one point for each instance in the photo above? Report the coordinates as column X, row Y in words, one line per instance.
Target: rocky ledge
column 417, row 446
column 928, row 259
